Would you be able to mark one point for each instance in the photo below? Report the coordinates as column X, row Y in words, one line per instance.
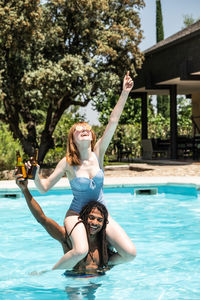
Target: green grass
column 117, row 163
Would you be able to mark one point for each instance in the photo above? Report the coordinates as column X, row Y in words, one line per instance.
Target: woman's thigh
column 118, row 238
column 78, row 234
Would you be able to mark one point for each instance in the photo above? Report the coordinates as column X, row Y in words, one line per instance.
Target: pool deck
column 144, row 173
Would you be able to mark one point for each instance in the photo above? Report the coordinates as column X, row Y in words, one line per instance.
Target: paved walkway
column 154, row 172
column 153, row 168
column 138, row 173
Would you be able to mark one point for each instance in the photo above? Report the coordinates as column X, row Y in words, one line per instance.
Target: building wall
column 196, row 107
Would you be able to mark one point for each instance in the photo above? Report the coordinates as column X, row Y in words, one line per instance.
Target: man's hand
column 20, row 180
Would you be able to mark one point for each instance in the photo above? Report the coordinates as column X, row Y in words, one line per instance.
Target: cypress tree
column 159, row 22
column 162, row 101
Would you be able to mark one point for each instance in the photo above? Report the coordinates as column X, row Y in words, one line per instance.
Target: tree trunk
column 46, row 144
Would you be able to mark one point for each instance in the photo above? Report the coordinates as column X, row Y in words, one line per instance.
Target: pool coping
column 7, row 185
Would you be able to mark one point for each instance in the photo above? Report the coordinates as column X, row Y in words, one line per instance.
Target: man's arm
column 55, row 230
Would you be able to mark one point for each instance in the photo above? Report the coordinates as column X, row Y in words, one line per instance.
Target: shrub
column 8, row 148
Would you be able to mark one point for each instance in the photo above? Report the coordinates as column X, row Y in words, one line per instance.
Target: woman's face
column 82, row 133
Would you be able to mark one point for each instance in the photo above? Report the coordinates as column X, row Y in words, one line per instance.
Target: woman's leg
column 79, row 241
column 118, row 238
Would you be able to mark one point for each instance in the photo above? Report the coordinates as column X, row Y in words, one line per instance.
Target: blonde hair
column 73, row 155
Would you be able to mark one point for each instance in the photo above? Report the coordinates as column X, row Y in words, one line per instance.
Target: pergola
column 171, row 67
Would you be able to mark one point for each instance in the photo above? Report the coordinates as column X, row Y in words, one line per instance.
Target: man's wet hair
column 102, row 234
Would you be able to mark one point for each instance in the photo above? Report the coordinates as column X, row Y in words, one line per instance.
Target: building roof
column 186, row 33
column 173, row 61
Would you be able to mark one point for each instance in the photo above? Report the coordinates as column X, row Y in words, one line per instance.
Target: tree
column 127, row 137
column 131, row 112
column 188, row 20
column 7, row 157
column 162, row 101
column 159, row 22
column 58, row 54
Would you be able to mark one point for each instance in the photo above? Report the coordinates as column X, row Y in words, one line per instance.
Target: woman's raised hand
column 128, row 83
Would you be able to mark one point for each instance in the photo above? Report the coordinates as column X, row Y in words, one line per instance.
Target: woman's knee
column 122, row 243
column 130, row 254
column 81, row 251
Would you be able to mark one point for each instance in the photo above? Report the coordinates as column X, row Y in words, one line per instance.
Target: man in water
column 95, row 218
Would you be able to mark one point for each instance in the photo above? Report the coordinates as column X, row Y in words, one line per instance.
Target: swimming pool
column 163, row 224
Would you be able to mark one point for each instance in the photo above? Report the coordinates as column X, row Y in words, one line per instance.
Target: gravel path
column 152, row 169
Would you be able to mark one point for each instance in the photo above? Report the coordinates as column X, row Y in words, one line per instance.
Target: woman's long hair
column 102, row 234
column 73, row 155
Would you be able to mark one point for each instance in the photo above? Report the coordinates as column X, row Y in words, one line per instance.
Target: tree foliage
column 61, row 53
column 60, row 136
column 105, row 104
column 163, row 105
column 128, row 133
column 188, row 20
column 8, row 148
column 159, row 125
column 162, row 101
column 126, row 140
column 159, row 22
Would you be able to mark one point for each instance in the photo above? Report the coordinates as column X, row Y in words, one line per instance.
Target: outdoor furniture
column 152, row 148
column 185, row 147
column 196, row 148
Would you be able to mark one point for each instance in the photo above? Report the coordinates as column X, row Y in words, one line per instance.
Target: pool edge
column 111, row 182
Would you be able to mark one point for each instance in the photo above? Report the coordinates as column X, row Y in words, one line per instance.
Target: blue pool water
column 164, row 227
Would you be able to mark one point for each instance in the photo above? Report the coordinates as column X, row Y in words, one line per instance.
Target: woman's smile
column 85, row 133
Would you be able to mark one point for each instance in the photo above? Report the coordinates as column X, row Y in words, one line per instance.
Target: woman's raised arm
column 103, row 143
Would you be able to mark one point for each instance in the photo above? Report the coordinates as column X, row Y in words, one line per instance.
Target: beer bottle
column 33, row 168
column 20, row 165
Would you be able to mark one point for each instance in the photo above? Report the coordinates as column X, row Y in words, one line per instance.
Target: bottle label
column 32, row 172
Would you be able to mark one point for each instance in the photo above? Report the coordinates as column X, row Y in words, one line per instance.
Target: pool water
column 164, row 227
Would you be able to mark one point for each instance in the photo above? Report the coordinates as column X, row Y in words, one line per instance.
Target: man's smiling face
column 95, row 221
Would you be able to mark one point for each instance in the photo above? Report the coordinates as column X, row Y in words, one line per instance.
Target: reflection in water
column 84, row 292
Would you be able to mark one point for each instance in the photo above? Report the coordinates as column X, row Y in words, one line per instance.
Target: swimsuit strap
column 74, row 227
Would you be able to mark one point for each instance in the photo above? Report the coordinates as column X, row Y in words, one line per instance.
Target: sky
column 173, row 12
